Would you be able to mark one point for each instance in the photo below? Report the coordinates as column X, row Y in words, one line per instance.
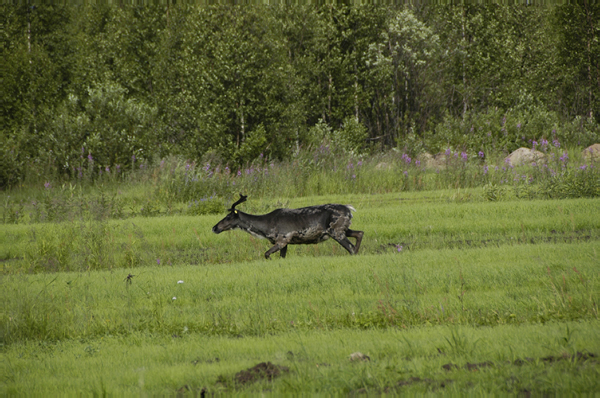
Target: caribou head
column 232, row 219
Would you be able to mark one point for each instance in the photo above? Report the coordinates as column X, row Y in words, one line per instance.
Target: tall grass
column 178, row 186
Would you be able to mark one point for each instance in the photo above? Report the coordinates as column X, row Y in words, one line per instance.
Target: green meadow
column 450, row 293
column 466, row 138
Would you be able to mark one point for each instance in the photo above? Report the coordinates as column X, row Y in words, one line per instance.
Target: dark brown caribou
column 284, row 227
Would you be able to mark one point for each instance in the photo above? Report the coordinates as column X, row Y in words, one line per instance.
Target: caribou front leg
column 278, row 246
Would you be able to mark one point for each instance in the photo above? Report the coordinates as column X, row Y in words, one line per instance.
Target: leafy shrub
column 494, row 130
column 12, row 211
column 105, row 129
column 581, row 131
column 572, row 183
column 350, row 138
column 205, row 206
column 493, row 192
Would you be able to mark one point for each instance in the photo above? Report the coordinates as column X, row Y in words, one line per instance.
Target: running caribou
column 284, row 227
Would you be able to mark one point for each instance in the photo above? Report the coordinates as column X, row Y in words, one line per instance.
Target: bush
column 494, row 130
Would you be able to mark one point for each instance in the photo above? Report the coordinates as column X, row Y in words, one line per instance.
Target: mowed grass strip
column 485, row 287
column 540, row 359
column 390, row 222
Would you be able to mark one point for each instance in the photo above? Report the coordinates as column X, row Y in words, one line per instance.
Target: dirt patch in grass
column 579, row 356
column 264, row 370
column 435, row 385
column 554, row 237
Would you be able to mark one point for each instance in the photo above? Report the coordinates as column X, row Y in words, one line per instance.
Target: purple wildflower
column 564, row 157
column 534, row 144
column 107, row 169
column 583, row 167
column 464, row 156
column 556, row 143
column 518, row 125
column 90, row 158
column 481, row 154
column 417, row 162
column 158, row 261
column 485, row 169
column 47, row 185
column 448, row 152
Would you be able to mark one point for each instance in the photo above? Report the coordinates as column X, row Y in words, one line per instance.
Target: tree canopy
column 120, row 83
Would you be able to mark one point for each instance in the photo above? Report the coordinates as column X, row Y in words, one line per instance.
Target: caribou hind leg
column 355, row 234
column 343, row 240
column 346, row 244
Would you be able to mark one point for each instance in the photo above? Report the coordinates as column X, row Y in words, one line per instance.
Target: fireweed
column 174, row 186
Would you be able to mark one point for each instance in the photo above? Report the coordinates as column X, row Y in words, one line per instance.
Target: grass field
column 450, row 294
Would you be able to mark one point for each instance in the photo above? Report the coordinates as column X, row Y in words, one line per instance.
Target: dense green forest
column 111, row 85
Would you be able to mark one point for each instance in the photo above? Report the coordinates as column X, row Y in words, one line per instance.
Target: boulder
column 359, row 356
column 525, row 156
column 591, row 153
column 427, row 160
column 383, row 166
column 433, row 162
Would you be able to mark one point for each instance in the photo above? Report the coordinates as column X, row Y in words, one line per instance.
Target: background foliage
column 122, row 84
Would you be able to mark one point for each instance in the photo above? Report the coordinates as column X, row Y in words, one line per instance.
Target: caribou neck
column 255, row 225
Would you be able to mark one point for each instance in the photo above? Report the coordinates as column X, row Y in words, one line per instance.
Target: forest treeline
column 114, row 85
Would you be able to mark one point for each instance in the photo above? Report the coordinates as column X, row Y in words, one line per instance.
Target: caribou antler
column 240, row 200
